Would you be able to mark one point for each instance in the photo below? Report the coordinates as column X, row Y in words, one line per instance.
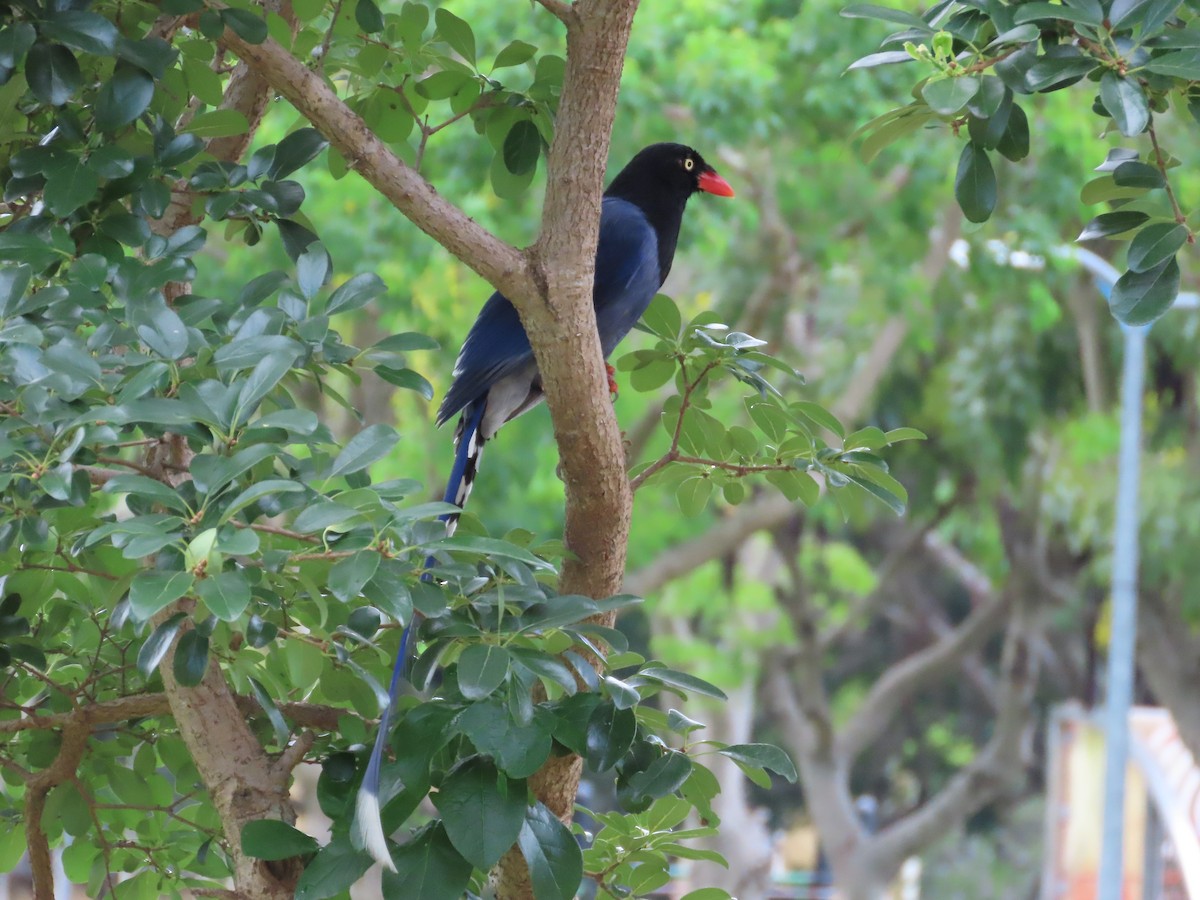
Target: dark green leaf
column 52, row 72
column 610, row 734
column 150, row 53
column 15, row 41
column 1138, row 298
column 191, row 658
column 371, row 444
column 1138, row 174
column 887, row 14
column 14, row 280
column 1014, row 142
column 682, row 680
column 522, row 146
column 883, row 58
column 765, row 756
column 1155, row 244
column 457, row 33
column 356, row 293
column 1126, row 103
column 1180, row 64
column 482, row 668
column 407, row 379
column 1033, row 12
column 156, row 646
column 273, row 839
column 427, row 868
column 245, row 24
column 664, row 776
column 332, row 871
column 296, row 150
column 82, row 30
column 482, row 811
column 268, row 705
column 124, row 97
column 1107, row 224
column 368, row 16
column 552, row 854
column 975, row 184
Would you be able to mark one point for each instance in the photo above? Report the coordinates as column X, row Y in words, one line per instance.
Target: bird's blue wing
column 627, row 270
column 496, row 346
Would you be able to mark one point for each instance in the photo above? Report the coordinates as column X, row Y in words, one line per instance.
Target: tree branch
column 498, row 262
column 74, row 743
column 995, row 769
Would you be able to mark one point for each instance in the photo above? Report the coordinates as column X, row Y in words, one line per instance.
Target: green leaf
column 482, row 668
column 312, row 269
column 333, row 870
column 1031, row 12
column 404, row 342
column 14, row 281
column 256, row 492
column 156, row 646
column 486, row 547
column 482, row 811
column 191, row 658
column 52, row 72
column 371, row 444
column 692, row 495
column 682, row 680
column 1138, row 298
column 514, row 54
column 1126, row 102
column 226, row 594
column 428, row 868
column 610, row 734
column 662, row 317
column 819, row 415
column 975, row 184
column 552, row 854
column 663, row 776
column 150, row 592
column 349, row 575
column 709, row 893
column 356, row 293
column 245, row 25
column 457, row 33
column 946, row 96
column 273, row 839
column 1107, row 224
column 295, row 151
column 124, row 97
column 82, row 30
column 887, row 14
column 1139, row 175
column 896, row 435
column 1180, row 64
column 218, row 123
column 407, row 379
column 261, row 381
column 368, row 16
column 15, row 41
column 272, row 711
column 522, row 145
column 506, row 184
column 1014, row 142
column 765, row 756
column 148, row 488
column 1155, row 244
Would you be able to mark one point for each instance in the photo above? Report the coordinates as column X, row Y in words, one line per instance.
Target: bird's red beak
column 713, row 183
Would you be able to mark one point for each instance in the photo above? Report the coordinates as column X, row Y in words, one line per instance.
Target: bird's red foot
column 612, row 380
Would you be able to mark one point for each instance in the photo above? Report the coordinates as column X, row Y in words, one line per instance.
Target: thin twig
column 1161, row 162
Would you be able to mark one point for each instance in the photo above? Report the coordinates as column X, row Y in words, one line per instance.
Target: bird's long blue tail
column 468, row 450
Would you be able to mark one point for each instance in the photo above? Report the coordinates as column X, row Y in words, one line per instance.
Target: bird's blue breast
column 627, row 278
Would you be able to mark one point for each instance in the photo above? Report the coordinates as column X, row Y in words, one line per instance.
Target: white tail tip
column 370, row 828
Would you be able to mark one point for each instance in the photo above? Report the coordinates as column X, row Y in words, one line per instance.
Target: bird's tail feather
column 468, row 449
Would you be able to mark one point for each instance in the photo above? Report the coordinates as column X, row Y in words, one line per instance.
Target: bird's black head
column 667, row 173
column 659, row 180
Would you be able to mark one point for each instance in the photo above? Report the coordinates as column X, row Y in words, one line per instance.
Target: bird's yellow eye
column 689, row 163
